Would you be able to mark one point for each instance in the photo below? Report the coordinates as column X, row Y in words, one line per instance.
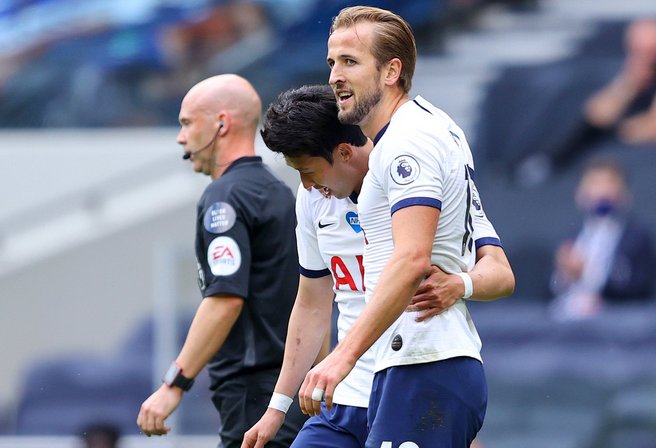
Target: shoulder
column 248, row 190
column 418, row 125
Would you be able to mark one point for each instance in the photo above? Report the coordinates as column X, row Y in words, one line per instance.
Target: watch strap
column 174, row 377
column 183, row 382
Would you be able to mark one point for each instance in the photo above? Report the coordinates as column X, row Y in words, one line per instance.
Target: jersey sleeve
column 223, row 244
column 412, row 172
column 484, row 232
column 311, row 264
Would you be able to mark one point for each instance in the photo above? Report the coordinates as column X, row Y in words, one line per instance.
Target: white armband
column 280, row 402
column 469, row 284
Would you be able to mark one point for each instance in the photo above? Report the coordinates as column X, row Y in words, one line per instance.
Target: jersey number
column 403, row 445
column 467, row 241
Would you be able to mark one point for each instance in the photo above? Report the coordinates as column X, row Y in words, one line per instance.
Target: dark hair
column 303, row 122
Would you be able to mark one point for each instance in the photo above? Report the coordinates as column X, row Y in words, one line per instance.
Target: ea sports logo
column 223, row 256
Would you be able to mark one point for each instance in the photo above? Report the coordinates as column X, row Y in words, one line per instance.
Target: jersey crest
column 404, row 170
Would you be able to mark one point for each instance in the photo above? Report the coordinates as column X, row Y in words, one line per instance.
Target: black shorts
column 241, row 403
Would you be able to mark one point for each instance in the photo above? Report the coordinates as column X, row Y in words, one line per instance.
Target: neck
column 223, row 159
column 363, row 163
column 383, row 113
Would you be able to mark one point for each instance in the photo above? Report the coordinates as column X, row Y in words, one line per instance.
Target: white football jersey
column 330, row 242
column 422, row 158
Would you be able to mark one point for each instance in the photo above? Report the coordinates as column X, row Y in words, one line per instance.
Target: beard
column 362, row 108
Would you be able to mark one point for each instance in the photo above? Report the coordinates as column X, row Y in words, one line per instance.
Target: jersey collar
column 380, row 134
column 242, row 161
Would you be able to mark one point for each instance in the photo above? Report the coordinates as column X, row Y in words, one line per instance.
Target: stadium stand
column 572, row 384
column 583, row 384
column 62, row 395
column 138, row 60
column 531, row 107
column 579, row 384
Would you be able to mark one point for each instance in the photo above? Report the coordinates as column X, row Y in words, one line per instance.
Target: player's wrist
column 348, row 353
column 468, row 283
column 280, row 402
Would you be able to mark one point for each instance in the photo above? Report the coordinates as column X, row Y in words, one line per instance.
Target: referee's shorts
column 243, row 400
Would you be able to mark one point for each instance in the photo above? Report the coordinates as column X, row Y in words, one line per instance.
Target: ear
column 223, row 120
column 393, row 71
column 344, row 152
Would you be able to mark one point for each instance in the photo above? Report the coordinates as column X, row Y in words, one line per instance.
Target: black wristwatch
column 174, row 377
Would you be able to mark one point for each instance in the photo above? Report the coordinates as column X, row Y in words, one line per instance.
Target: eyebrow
column 346, row 56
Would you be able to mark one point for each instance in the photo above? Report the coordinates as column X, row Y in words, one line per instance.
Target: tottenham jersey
column 422, row 158
column 330, row 242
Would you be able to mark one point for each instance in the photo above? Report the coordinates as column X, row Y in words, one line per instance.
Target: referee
column 247, row 267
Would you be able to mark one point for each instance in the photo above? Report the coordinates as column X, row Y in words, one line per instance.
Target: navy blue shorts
column 341, row 427
column 436, row 404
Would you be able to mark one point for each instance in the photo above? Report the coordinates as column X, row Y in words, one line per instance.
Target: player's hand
column 157, row 408
column 264, row 430
column 325, row 376
column 436, row 293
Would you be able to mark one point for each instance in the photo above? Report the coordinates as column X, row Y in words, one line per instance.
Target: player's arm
column 309, row 323
column 492, row 275
column 325, row 347
column 211, row 325
column 492, row 279
column 413, row 232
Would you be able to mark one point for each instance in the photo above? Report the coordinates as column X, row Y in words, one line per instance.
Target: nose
column 307, row 181
column 336, row 75
column 181, row 139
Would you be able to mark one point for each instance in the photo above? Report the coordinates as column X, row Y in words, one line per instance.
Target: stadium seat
column 64, row 394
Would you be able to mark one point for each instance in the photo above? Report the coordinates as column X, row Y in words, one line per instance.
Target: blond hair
column 393, row 38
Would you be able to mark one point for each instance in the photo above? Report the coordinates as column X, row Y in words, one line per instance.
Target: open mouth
column 344, row 96
column 325, row 191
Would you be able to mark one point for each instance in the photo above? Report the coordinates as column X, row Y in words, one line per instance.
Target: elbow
column 504, row 286
column 417, row 266
column 509, row 284
column 511, row 287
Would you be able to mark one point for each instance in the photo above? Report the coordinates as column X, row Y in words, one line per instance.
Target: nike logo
column 321, row 226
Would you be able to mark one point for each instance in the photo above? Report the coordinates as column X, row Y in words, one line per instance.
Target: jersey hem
column 345, row 401
column 430, row 357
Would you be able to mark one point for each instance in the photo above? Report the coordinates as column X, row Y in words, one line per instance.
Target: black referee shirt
column 246, row 246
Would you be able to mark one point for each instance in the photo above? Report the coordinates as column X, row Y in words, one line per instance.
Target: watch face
column 171, row 374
